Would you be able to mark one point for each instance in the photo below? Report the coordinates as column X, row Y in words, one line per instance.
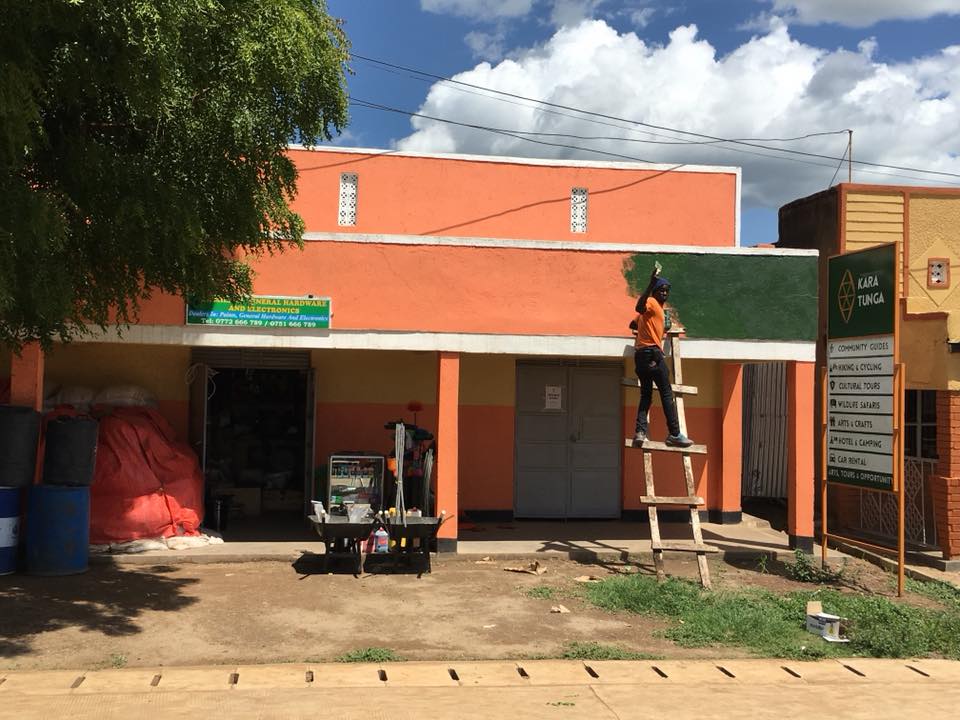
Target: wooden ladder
column 651, row 499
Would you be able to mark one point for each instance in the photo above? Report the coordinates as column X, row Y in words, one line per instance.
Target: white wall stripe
column 514, row 160
column 549, row 345
column 474, row 242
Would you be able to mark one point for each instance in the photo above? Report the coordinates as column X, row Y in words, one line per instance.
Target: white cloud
column 558, row 13
column 862, row 13
column 479, row 9
column 771, row 86
column 486, row 46
column 641, row 17
column 567, row 13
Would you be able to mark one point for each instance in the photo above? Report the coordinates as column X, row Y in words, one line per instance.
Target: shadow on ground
column 106, row 599
column 391, row 564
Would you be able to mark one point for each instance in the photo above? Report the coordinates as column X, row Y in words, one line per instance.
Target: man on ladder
column 650, row 327
column 650, row 363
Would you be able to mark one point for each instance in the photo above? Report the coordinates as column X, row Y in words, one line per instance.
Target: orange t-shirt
column 650, row 325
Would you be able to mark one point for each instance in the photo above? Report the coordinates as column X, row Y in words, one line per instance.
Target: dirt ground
column 268, row 612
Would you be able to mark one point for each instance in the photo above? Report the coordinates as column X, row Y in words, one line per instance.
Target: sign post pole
column 823, row 468
column 901, row 494
column 864, row 384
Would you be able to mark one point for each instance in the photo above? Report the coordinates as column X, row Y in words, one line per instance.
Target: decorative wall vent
column 347, row 214
column 578, row 210
column 938, row 273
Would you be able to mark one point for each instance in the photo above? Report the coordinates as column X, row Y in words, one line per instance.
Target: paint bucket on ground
column 9, row 528
column 57, row 535
column 19, row 433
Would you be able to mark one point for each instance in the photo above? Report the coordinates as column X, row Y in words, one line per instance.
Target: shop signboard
column 861, row 361
column 263, row 311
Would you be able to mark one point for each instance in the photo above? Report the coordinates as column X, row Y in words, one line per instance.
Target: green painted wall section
column 736, row 297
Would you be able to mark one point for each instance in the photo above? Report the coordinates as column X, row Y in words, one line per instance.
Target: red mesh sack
column 146, row 484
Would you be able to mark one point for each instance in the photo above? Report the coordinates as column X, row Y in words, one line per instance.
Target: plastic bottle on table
column 381, row 541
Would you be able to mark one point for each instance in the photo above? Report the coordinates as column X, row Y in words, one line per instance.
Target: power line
column 840, row 165
column 591, row 113
column 520, row 135
column 498, row 131
column 548, row 111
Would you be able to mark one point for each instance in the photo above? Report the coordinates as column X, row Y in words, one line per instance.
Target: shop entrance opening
column 256, row 451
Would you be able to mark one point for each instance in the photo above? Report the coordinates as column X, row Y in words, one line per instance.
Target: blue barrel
column 9, row 528
column 57, row 537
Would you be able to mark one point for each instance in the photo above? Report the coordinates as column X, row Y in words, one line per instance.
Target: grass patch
column 541, row 592
column 773, row 625
column 942, row 592
column 596, row 651
column 118, row 661
column 369, row 655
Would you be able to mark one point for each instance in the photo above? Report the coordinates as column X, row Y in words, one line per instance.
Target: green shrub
column 369, row 655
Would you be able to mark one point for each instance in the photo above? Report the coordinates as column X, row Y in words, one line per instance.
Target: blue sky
column 759, row 69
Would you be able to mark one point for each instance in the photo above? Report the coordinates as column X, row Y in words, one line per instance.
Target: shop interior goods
column 690, row 500
column 355, row 482
column 415, row 465
column 256, row 442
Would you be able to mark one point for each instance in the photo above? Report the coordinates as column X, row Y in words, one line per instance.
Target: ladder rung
column 676, row 330
column 653, row 445
column 678, row 389
column 683, row 546
column 683, row 500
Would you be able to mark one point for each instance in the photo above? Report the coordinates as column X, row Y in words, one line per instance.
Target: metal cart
column 415, row 538
column 343, row 537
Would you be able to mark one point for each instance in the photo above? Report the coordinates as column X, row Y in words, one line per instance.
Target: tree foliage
column 142, row 148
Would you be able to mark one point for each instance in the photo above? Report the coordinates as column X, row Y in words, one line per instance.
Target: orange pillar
column 448, row 447
column 726, row 507
column 26, row 377
column 801, row 486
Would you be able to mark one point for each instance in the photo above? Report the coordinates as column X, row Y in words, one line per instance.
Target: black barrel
column 70, row 451
column 19, row 432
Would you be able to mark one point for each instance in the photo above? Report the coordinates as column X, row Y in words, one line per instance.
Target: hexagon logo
column 846, row 296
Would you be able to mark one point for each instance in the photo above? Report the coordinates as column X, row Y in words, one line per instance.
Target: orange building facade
column 476, row 287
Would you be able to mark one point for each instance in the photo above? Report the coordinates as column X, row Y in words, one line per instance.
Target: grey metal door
column 542, row 463
column 596, row 436
column 568, row 441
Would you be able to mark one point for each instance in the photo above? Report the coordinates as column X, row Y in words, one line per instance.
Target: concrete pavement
column 620, row 690
column 583, row 541
column 606, row 540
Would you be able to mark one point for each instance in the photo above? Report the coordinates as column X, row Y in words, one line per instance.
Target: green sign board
column 263, row 311
column 862, row 294
column 861, row 360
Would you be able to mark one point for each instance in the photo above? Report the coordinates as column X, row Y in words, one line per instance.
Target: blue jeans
column 651, row 367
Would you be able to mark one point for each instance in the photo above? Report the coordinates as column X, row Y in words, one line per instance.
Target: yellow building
column 924, row 222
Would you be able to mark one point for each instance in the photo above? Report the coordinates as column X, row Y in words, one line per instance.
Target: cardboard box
column 285, row 500
column 823, row 624
column 247, row 499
